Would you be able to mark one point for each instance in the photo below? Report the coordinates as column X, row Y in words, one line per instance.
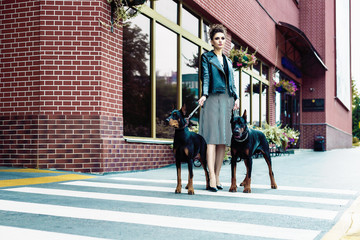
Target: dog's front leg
column 178, row 169
column 190, row 186
column 233, row 187
column 247, row 181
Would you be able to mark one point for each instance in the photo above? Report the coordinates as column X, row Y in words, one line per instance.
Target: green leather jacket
column 214, row 79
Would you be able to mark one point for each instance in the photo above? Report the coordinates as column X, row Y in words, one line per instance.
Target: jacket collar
column 215, row 61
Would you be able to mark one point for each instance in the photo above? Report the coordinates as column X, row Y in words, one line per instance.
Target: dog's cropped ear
column 244, row 116
column 183, row 109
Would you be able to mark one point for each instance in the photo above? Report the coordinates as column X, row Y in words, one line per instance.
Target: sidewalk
column 336, row 169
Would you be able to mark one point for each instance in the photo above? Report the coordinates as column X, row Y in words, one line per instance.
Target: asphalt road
column 315, row 189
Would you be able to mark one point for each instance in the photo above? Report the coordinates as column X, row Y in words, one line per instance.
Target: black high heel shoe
column 211, row 189
column 220, row 187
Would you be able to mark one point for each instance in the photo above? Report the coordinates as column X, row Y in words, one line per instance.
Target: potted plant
column 256, row 88
column 283, row 138
column 241, row 58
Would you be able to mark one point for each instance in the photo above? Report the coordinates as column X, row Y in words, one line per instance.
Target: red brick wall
column 61, row 90
column 317, row 21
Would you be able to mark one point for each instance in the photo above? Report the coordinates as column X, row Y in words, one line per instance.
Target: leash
column 191, row 114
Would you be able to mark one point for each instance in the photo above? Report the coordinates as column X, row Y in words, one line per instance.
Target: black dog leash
column 191, row 114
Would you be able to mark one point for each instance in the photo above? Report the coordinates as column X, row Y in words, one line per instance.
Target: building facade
column 79, row 94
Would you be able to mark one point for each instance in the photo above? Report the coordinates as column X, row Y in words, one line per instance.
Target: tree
column 355, row 110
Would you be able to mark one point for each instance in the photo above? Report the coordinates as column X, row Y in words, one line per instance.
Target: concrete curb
column 348, row 227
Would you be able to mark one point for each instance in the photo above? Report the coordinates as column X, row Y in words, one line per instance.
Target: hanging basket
column 131, row 3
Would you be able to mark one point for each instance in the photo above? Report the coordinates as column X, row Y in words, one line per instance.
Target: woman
column 219, row 97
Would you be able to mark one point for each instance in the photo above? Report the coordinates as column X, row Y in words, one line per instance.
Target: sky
column 355, row 40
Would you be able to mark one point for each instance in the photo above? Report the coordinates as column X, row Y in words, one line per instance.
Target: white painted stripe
column 270, row 209
column 284, row 188
column 15, row 233
column 330, row 201
column 160, row 221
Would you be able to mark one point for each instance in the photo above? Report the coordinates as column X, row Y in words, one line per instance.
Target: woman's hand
column 202, row 100
column 237, row 104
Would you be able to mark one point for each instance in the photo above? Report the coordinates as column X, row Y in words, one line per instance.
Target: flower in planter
column 241, row 58
column 123, row 10
column 286, row 86
column 281, row 137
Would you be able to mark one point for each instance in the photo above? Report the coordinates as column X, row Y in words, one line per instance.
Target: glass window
column 136, row 77
column 205, row 36
column 256, row 68
column 168, row 9
column 237, row 82
column 190, row 77
column 190, row 22
column 166, row 79
column 265, row 72
column 255, row 104
column 264, row 104
column 245, row 94
column 277, row 101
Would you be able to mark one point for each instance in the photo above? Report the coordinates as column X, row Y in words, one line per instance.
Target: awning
column 310, row 59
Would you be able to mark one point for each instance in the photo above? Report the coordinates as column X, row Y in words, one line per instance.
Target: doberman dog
column 187, row 146
column 246, row 142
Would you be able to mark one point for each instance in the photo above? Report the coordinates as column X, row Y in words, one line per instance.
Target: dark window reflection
column 245, row 94
column 190, row 78
column 166, row 79
column 265, row 72
column 136, row 79
column 256, row 103
column 205, row 35
column 256, row 68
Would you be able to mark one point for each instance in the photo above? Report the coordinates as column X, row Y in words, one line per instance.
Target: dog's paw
column 247, row 190
column 191, row 191
column 273, row 186
column 233, row 189
column 178, row 190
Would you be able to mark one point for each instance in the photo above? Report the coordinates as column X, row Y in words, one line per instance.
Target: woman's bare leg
column 210, row 157
column 220, row 154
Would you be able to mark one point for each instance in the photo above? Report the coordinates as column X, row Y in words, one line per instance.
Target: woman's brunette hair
column 216, row 28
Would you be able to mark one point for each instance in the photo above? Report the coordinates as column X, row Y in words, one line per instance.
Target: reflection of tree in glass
column 165, row 103
column 190, row 95
column 194, row 62
column 136, row 84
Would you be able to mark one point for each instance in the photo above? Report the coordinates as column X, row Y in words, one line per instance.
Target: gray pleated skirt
column 215, row 117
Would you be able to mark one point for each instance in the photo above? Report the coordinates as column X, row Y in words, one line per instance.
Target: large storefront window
column 136, row 75
column 190, row 77
column 166, row 79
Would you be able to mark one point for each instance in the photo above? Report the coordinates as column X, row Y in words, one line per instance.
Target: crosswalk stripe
column 283, row 188
column 330, row 201
column 161, row 221
column 281, row 210
column 15, row 233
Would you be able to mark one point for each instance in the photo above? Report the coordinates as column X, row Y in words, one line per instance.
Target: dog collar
column 242, row 140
